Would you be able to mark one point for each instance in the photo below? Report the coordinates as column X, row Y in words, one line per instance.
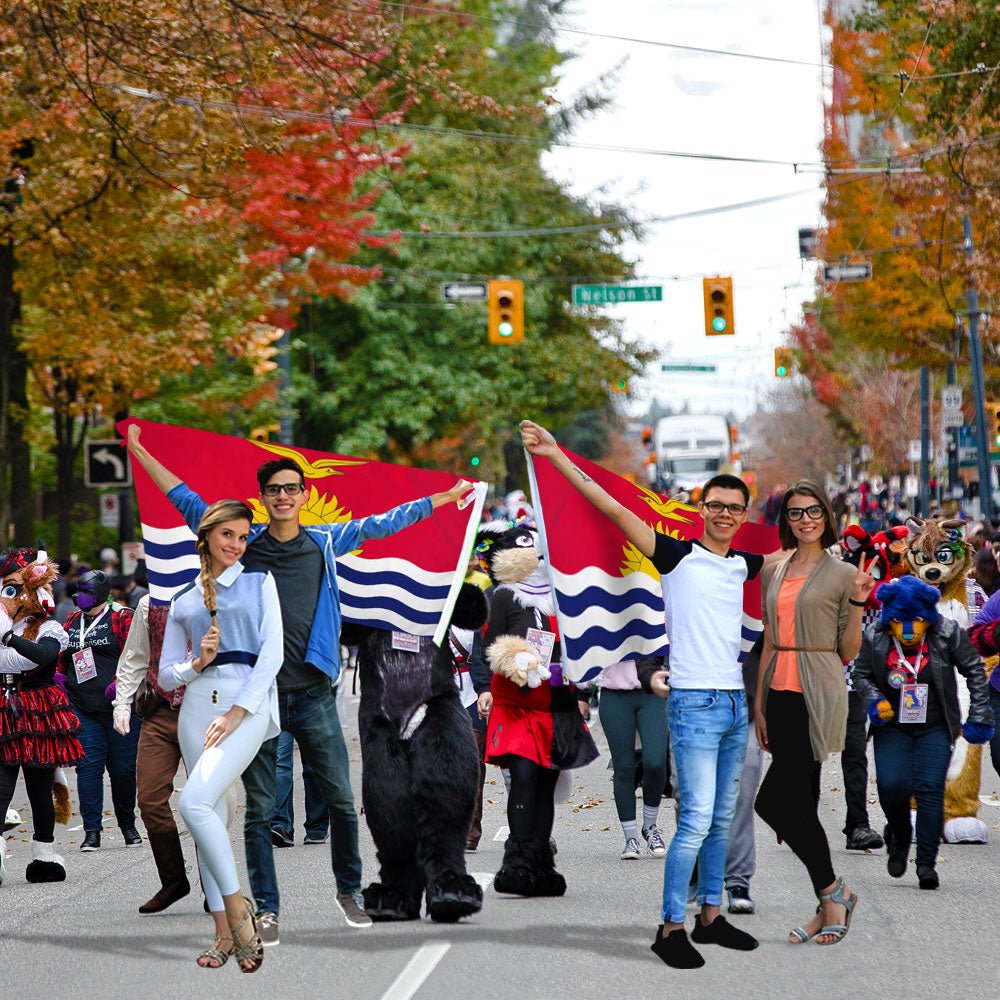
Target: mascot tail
column 60, row 797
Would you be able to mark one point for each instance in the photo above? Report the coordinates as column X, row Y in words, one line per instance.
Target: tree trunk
column 67, row 449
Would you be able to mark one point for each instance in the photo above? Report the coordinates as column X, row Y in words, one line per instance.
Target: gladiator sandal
column 250, row 955
column 214, row 957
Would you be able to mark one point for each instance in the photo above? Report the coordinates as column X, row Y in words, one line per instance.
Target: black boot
column 517, row 875
column 169, row 858
column 897, row 852
column 388, row 902
column 548, row 882
column 452, row 896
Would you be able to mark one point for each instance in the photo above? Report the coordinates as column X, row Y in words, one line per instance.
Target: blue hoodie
column 334, row 540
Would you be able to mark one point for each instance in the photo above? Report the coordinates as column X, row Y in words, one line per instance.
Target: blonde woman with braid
column 223, row 642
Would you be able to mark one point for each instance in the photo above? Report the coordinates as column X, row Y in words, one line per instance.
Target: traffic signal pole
column 925, row 441
column 978, row 382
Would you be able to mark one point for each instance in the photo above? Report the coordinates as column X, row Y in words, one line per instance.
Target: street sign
column 914, row 453
column 951, row 397
column 109, row 510
column 867, row 453
column 463, row 291
column 952, row 418
column 688, row 368
column 848, row 272
column 132, row 552
column 968, row 451
column 599, row 295
column 106, row 464
column 911, row 487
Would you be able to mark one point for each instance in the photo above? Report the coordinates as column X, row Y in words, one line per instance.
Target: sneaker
column 131, row 837
column 3, row 859
column 11, row 820
column 316, row 838
column 654, row 841
column 632, row 850
column 352, row 906
column 740, row 901
column 267, row 928
column 864, row 838
column 279, row 839
column 91, row 841
column 471, row 848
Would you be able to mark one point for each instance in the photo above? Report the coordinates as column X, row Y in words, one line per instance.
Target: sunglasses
column 275, row 489
column 814, row 512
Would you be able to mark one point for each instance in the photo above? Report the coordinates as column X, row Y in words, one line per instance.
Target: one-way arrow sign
column 106, row 464
column 464, row 291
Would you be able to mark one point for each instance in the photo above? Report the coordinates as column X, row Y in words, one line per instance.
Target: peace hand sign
column 864, row 582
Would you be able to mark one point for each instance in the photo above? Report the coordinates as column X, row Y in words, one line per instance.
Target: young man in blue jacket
column 302, row 560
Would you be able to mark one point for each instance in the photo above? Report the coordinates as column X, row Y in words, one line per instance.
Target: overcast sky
column 722, row 105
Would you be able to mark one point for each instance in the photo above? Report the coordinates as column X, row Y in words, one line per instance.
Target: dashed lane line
column 416, row 971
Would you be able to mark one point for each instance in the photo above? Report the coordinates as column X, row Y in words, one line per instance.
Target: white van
column 690, row 449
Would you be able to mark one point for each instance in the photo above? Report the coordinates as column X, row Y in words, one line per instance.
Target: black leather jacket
column 950, row 649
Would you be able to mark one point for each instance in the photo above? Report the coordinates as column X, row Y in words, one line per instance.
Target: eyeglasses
column 814, row 512
column 717, row 507
column 274, row 489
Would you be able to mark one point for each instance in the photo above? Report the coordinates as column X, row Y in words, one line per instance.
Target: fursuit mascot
column 936, row 553
column 535, row 727
column 37, row 726
column 906, row 674
column 420, row 769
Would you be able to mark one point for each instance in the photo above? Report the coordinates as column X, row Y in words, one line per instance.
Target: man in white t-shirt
column 707, row 709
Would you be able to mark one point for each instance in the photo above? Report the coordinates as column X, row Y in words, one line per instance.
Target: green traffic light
column 719, row 324
column 505, row 329
column 781, row 371
column 474, row 461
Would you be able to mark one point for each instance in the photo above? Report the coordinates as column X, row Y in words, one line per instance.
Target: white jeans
column 203, row 801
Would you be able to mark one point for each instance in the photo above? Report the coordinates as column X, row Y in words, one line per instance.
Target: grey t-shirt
column 297, row 568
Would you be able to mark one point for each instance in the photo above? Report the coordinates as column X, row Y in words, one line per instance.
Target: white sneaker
column 632, row 850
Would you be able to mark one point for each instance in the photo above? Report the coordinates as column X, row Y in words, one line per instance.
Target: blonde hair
column 216, row 514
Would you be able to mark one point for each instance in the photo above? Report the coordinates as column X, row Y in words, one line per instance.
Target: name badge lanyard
column 84, row 632
column 904, row 663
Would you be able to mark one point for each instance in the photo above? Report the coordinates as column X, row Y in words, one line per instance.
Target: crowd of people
column 247, row 661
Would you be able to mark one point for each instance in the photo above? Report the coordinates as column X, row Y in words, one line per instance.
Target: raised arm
column 540, row 443
column 159, row 473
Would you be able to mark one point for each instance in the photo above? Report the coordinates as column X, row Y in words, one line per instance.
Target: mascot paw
column 977, row 732
column 879, row 711
column 453, row 896
column 966, row 830
column 45, row 864
column 514, row 658
column 386, row 902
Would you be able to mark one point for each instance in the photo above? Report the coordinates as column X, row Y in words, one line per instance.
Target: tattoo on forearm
column 583, row 475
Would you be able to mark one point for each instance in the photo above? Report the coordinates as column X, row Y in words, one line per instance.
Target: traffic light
column 474, row 461
column 263, row 434
column 992, row 424
column 782, row 362
column 506, row 309
column 620, row 385
column 718, row 293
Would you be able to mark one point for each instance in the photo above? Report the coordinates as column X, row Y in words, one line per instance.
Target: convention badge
column 897, row 678
column 913, row 702
column 405, row 642
column 543, row 642
column 84, row 665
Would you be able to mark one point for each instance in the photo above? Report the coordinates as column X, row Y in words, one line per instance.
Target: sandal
column 801, row 935
column 214, row 957
column 251, row 952
column 838, row 931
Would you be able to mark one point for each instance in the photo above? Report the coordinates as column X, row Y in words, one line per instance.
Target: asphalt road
column 85, row 937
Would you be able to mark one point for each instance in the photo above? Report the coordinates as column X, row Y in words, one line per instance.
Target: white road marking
column 989, row 800
column 416, row 971
column 502, row 834
column 484, row 879
column 73, row 829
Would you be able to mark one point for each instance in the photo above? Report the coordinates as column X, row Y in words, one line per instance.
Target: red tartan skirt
column 38, row 728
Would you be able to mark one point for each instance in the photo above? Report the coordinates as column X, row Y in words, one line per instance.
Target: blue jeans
column 106, row 750
column 910, row 764
column 708, row 734
column 311, row 718
column 317, row 815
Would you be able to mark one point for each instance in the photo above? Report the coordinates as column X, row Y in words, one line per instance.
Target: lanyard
column 910, row 668
column 84, row 632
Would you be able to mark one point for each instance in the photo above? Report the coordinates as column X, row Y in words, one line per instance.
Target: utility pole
column 978, row 381
column 953, row 482
column 925, row 440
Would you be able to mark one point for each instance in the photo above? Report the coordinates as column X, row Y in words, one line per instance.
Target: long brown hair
column 806, row 488
column 216, row 514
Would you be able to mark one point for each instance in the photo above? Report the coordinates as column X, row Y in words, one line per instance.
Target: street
column 85, row 938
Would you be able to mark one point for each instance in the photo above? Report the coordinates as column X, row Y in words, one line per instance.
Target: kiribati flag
column 609, row 602
column 408, row 581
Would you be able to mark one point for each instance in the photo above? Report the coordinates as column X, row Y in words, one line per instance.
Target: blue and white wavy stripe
column 383, row 593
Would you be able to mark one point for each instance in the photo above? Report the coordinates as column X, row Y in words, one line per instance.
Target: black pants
column 38, row 783
column 854, row 761
column 531, row 809
column 788, row 800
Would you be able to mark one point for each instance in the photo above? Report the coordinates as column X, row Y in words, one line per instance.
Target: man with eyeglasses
column 302, row 560
column 707, row 707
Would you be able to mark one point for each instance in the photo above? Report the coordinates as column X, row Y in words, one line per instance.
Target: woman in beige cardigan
column 812, row 605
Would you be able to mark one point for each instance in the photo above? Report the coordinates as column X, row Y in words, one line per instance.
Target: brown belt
column 803, row 649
